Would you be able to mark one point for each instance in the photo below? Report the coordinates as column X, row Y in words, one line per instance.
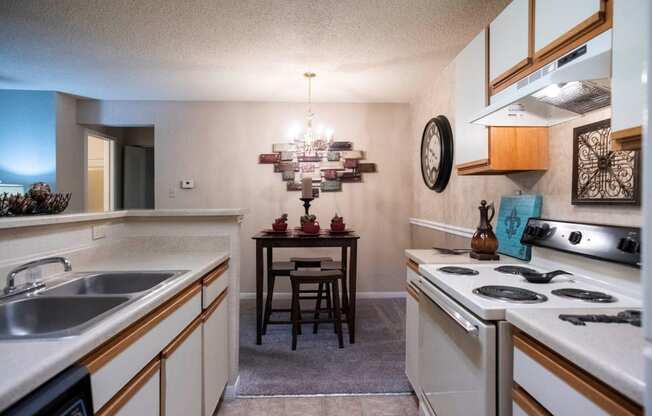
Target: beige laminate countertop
column 28, row 363
column 41, row 220
column 612, row 353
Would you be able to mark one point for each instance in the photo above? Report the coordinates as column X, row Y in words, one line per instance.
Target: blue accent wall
column 28, row 141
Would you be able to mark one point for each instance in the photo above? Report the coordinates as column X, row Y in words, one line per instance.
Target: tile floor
column 322, row 406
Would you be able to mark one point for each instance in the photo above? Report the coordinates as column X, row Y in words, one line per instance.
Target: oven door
column 457, row 357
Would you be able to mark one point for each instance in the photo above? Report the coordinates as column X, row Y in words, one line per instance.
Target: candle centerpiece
column 306, row 193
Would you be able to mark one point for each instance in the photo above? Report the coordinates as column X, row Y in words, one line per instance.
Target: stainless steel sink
column 45, row 317
column 112, row 283
column 70, row 307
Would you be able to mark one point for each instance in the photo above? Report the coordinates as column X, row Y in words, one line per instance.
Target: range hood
column 573, row 85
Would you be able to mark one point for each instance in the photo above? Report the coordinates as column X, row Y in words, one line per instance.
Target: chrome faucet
column 11, row 289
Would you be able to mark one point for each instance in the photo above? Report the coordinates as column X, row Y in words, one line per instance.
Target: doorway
column 100, row 170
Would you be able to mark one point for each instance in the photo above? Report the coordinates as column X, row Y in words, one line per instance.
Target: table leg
column 352, row 288
column 259, row 292
column 345, row 283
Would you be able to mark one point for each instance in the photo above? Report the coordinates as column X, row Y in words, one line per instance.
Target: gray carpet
column 374, row 364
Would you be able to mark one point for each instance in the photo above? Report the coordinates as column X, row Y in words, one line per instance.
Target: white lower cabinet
column 141, row 396
column 216, row 352
column 181, row 383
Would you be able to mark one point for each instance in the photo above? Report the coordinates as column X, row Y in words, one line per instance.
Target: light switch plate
column 187, row 184
column 99, row 231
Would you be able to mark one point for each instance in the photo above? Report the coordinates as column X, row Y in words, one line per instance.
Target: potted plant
column 281, row 224
column 337, row 223
column 309, row 224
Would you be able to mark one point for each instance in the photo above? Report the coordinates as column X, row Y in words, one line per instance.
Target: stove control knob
column 575, row 237
column 628, row 245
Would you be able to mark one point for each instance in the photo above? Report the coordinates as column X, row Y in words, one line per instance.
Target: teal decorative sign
column 513, row 214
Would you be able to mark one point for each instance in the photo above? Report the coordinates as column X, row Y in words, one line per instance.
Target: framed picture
column 600, row 174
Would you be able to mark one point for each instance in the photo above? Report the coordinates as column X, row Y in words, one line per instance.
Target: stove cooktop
column 563, row 292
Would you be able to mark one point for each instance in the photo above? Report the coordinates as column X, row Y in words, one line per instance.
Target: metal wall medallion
column 328, row 163
column 601, row 175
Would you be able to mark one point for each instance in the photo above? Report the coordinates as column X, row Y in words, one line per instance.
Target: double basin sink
column 70, row 307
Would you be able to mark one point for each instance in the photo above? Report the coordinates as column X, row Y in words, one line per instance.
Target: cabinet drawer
column 560, row 387
column 412, row 272
column 116, row 362
column 141, row 396
column 214, row 283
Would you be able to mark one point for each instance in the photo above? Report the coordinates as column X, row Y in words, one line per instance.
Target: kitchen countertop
column 431, row 256
column 39, row 220
column 28, row 363
column 612, row 353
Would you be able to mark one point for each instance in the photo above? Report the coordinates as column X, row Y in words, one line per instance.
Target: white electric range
column 465, row 358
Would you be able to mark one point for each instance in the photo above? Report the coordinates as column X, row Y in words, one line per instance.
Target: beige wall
column 457, row 205
column 217, row 145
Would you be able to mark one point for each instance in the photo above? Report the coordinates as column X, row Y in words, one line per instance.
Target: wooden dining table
column 295, row 239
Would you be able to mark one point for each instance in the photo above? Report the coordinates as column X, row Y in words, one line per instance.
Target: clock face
column 436, row 153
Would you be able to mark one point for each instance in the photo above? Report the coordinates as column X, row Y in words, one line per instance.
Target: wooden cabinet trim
column 216, row 273
column 412, row 292
column 102, row 355
column 580, row 29
column 179, row 339
column 571, row 42
column 413, row 265
column 127, row 392
column 593, row 389
column 527, row 402
column 462, row 168
column 627, row 139
column 514, row 70
column 213, row 306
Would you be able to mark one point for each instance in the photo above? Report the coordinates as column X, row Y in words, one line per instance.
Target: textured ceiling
column 362, row 51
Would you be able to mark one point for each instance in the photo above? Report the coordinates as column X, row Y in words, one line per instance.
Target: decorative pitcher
column 484, row 242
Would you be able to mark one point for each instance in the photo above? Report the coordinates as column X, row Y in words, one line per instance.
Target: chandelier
column 313, row 139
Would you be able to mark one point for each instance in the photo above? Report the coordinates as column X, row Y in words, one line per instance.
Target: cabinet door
column 412, row 337
column 557, row 21
column 630, row 37
column 216, row 352
column 509, row 41
column 471, row 140
column 141, row 396
column 182, row 373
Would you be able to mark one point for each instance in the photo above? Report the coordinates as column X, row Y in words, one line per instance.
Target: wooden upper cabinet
column 510, row 42
column 630, row 21
column 470, row 93
column 558, row 22
column 511, row 150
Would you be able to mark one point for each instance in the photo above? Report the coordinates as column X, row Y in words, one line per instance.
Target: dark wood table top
column 298, row 235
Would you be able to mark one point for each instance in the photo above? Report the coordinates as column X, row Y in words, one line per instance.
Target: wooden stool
column 329, row 278
column 281, row 269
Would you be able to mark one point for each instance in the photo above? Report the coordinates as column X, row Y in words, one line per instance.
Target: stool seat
column 283, row 266
column 331, row 265
column 316, row 274
column 313, row 262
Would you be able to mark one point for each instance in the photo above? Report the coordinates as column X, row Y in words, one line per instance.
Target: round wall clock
column 437, row 153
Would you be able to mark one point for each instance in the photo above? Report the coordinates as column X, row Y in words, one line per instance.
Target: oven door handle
column 454, row 315
column 427, row 404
